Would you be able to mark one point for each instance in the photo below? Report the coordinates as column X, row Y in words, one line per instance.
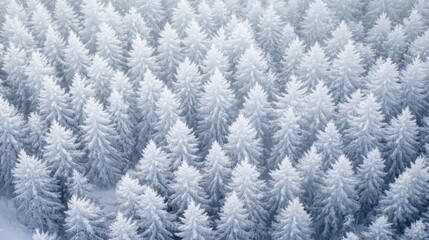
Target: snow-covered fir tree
column 195, row 223
column 40, row 235
column 128, row 195
column 123, row 228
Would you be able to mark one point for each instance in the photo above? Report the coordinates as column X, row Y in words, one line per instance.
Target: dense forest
column 216, row 119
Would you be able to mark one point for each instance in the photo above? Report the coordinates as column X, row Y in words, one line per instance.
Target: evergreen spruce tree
column 292, row 59
column 417, row 231
column 105, row 163
column 123, row 229
column 414, row 90
column 182, row 146
column 370, row 175
column 167, row 113
column 377, row 35
column 292, row 222
column 294, row 97
column 396, row 45
column 241, row 38
column 402, row 143
column 36, row 132
column 153, row 14
column 14, row 31
column 84, row 220
column 54, row 104
column 101, row 73
column 188, row 88
column 244, row 143
column 182, row 16
column 366, row 129
column 270, row 35
column 128, row 196
column 195, row 224
column 338, row 199
column 40, row 21
column 92, row 17
column 196, row 42
column 148, row 94
column 347, row 110
column 217, row 173
column 169, row 54
column 109, row 46
column 314, row 66
column 413, row 26
column 205, row 17
column 405, row 199
column 40, row 235
column 251, row 69
column 329, row 145
column 251, row 190
column 286, row 184
column 380, row 229
column 79, row 186
column 61, row 151
column 134, row 27
column 76, row 57
column 216, row 111
column 234, row 222
column 155, row 222
column 214, row 59
column 287, row 138
column 121, row 117
column 65, row 18
column 341, row 36
column 318, row 22
column 36, row 71
column 54, row 47
column 187, row 186
column 419, row 48
column 80, row 91
column 346, row 73
column 36, row 195
column 12, row 137
column 140, row 60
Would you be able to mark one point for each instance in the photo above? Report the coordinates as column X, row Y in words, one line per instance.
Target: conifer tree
column 101, row 73
column 244, row 143
column 61, row 151
column 216, row 110
column 318, row 22
column 169, row 54
column 182, row 16
column 128, row 196
column 12, row 136
column 292, row 58
column 346, row 73
column 77, row 59
column 14, row 31
column 84, row 220
column 414, row 90
column 370, row 175
column 396, row 45
column 182, row 146
column 79, row 186
column 286, row 184
column 123, row 228
column 251, row 190
column 311, row 172
column 54, row 47
column 153, row 14
column 140, row 60
column 167, row 113
column 402, row 143
column 234, row 222
column 329, row 145
column 134, row 27
column 413, row 26
column 419, row 48
column 217, row 173
column 205, row 17
column 105, row 163
column 251, row 69
column 195, row 223
column 40, row 235
column 65, row 18
column 405, row 199
column 36, row 132
column 314, row 66
column 148, row 94
column 293, row 97
column 109, row 46
column 196, row 42
column 377, row 35
column 241, row 38
column 80, row 91
column 417, row 231
column 215, row 59
column 336, row 208
column 380, row 229
column 292, row 222
column 155, row 222
column 92, row 17
column 287, row 138
column 121, row 115
column 153, row 168
column 54, row 104
column 188, row 88
column 187, row 186
column 36, row 71
column 36, row 194
column 270, row 35
column 366, row 129
column 40, row 21
column 348, row 109
column 112, row 18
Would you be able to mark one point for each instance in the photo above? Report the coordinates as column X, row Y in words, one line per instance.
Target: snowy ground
column 10, row 228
